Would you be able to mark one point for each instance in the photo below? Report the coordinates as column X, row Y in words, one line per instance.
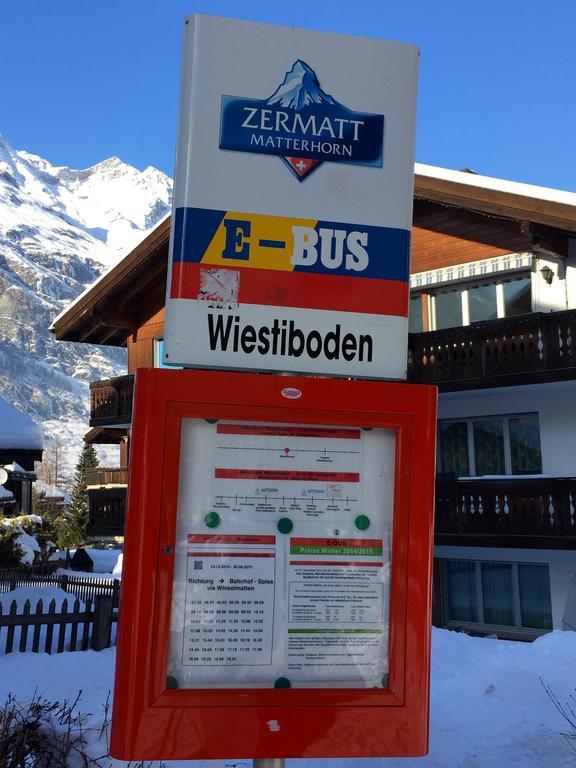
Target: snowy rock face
column 60, row 228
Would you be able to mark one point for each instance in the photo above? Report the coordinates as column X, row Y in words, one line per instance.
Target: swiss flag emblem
column 301, row 166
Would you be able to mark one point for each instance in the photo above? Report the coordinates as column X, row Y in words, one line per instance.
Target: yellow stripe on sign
column 261, row 242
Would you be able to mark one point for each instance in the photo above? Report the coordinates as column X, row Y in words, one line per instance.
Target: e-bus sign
column 293, row 202
column 277, row 568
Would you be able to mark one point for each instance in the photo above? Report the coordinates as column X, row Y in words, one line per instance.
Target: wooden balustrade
column 111, row 401
column 107, row 510
column 516, row 512
column 525, row 349
column 100, row 476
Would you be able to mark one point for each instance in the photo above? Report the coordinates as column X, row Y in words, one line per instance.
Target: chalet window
column 448, row 309
column 517, row 296
column 495, row 445
column 415, row 314
column 491, row 595
column 159, row 356
column 464, row 304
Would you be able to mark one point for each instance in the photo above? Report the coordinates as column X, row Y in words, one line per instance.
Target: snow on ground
column 105, row 561
column 489, row 708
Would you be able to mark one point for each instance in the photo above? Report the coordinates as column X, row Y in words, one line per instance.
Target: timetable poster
column 282, row 558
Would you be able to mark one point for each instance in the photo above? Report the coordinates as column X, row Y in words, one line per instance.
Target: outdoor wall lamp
column 547, row 274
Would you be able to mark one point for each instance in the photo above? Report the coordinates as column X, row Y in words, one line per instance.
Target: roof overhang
column 133, row 290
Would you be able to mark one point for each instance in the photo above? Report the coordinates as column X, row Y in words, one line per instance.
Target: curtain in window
column 489, row 447
column 518, row 296
column 448, row 309
column 525, row 445
column 497, row 593
column 453, row 448
column 535, row 606
column 415, row 317
column 461, row 584
column 482, row 302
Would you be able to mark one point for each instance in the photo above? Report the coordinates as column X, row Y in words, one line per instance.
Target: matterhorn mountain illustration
column 60, row 228
column 300, row 89
column 301, row 124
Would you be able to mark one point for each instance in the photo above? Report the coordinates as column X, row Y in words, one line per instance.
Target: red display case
column 277, row 571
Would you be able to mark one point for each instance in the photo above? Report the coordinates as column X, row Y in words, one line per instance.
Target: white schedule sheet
column 282, row 556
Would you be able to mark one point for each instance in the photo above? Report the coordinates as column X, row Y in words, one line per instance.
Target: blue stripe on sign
column 388, row 248
column 194, row 229
column 388, row 251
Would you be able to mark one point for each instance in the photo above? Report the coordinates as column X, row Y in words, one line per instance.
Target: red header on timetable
column 213, row 538
column 287, row 431
column 278, row 474
column 321, row 542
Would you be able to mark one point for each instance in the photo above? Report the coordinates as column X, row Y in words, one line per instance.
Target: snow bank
column 489, row 708
column 117, row 571
column 104, row 560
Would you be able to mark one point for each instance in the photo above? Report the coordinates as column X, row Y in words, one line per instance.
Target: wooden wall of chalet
column 444, row 237
column 141, row 342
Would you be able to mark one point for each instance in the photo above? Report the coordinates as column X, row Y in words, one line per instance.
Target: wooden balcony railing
column 111, row 402
column 525, row 349
column 529, row 512
column 106, row 512
column 513, row 512
column 102, row 476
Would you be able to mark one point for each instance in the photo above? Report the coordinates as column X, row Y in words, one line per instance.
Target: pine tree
column 79, row 507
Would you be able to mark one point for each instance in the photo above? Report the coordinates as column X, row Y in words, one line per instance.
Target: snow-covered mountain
column 60, row 228
column 299, row 89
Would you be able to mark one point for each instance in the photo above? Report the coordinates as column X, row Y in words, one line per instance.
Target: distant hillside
column 60, row 228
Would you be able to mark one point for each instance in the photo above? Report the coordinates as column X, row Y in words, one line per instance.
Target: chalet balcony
column 518, row 512
column 102, row 477
column 107, row 508
column 111, row 402
column 526, row 349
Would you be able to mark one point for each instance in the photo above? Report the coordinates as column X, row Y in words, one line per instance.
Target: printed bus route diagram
column 306, row 471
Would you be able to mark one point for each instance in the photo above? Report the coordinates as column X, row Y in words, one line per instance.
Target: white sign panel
column 293, row 201
column 282, row 561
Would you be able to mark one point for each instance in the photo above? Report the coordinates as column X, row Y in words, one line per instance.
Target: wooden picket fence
column 87, row 620
column 82, row 587
column 51, row 631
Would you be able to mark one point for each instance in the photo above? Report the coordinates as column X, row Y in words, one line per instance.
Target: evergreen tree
column 77, row 519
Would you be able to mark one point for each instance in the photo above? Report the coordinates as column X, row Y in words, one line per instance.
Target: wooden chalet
column 493, row 325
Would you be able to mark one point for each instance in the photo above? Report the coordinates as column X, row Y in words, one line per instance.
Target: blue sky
column 82, row 80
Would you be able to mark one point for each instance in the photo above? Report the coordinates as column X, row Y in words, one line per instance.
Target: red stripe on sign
column 278, row 474
column 231, row 554
column 305, row 290
column 213, row 538
column 280, row 431
column 335, row 542
column 330, row 562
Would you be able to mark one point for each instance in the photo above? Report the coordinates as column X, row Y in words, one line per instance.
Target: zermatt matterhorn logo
column 302, row 125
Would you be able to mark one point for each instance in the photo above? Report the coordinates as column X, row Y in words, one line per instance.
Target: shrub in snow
column 11, row 553
column 41, row 733
column 53, row 734
column 20, row 531
column 568, row 712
